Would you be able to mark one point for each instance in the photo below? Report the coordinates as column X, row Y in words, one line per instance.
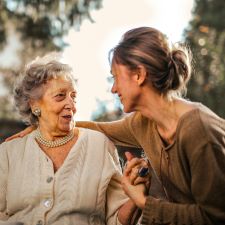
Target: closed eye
column 60, row 95
column 74, row 98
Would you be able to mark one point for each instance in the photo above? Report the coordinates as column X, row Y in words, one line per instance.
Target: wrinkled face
column 125, row 86
column 57, row 106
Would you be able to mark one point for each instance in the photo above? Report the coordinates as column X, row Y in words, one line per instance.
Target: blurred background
column 85, row 30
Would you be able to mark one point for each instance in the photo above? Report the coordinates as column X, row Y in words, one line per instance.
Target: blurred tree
column 39, row 26
column 206, row 37
column 103, row 112
column 44, row 22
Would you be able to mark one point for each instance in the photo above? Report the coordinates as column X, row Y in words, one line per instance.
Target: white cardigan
column 85, row 190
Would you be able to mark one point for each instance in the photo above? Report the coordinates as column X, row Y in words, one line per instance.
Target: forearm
column 126, row 212
column 117, row 131
column 87, row 124
column 103, row 127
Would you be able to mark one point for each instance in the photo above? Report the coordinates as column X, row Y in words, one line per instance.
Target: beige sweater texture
column 191, row 171
column 85, row 190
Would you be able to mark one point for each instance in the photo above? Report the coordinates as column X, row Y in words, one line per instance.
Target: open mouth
column 67, row 117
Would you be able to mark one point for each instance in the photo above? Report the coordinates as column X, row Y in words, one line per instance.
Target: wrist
column 141, row 202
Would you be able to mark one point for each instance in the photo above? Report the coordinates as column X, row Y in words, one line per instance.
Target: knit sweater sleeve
column 3, row 179
column 208, row 188
column 120, row 132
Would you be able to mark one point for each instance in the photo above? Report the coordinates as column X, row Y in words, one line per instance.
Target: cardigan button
column 39, row 222
column 49, row 179
column 48, row 203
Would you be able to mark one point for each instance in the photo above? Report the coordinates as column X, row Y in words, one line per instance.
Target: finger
column 135, row 162
column 144, row 163
column 133, row 175
column 12, row 137
column 136, row 178
column 125, row 181
column 131, row 164
column 140, row 180
column 129, row 156
column 147, row 184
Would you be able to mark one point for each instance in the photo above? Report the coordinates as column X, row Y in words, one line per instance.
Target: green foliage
column 44, row 22
column 206, row 36
column 103, row 114
column 40, row 26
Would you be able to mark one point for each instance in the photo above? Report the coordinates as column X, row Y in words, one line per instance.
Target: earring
column 37, row 112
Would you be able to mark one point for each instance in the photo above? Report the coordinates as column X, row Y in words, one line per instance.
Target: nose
column 70, row 104
column 113, row 89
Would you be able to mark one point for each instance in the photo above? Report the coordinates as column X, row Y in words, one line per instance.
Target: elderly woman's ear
column 35, row 108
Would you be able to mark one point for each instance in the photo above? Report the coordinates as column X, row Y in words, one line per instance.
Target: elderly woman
column 58, row 174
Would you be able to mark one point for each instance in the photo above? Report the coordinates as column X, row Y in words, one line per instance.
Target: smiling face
column 126, row 86
column 57, row 107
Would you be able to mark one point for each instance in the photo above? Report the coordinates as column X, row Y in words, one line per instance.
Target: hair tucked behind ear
column 168, row 69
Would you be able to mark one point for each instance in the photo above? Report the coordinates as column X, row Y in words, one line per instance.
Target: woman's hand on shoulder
column 21, row 133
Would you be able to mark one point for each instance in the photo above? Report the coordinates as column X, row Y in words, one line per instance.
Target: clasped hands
column 136, row 183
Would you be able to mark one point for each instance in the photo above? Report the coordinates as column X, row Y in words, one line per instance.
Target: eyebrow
column 62, row 90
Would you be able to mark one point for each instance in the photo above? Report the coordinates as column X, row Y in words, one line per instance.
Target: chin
column 67, row 127
column 129, row 109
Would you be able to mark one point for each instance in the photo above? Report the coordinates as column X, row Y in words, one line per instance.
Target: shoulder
column 100, row 144
column 138, row 121
column 202, row 120
column 200, row 127
column 96, row 138
column 14, row 142
column 93, row 134
column 15, row 146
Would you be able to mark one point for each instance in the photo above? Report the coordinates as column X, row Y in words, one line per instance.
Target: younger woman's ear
column 141, row 75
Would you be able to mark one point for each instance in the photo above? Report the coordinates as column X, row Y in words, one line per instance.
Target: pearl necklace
column 53, row 144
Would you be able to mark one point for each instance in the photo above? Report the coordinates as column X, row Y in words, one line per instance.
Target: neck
column 53, row 143
column 165, row 113
column 51, row 133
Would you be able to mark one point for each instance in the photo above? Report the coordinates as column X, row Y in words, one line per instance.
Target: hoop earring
column 37, row 112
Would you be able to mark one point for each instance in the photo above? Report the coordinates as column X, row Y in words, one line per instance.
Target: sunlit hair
column 31, row 84
column 168, row 67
